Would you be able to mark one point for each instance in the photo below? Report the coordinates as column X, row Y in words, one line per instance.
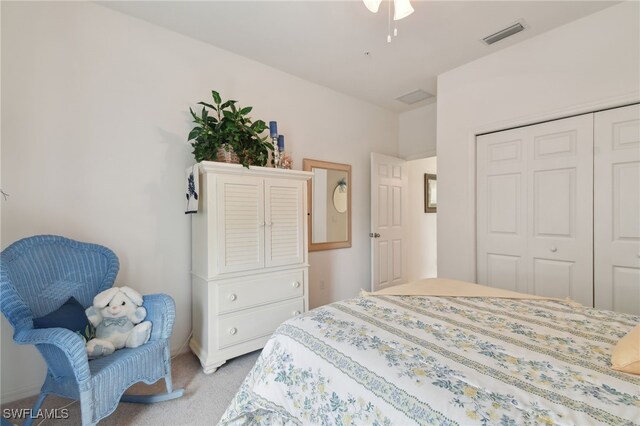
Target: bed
column 385, row 359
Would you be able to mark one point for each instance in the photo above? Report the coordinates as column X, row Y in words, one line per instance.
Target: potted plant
column 227, row 132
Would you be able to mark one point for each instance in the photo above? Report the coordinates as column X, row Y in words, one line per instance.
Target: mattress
column 401, row 360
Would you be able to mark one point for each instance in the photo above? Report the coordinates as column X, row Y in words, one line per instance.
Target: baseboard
column 176, row 352
column 27, row 391
column 20, row 393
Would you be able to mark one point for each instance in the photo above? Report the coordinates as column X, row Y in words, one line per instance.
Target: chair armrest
column 58, row 345
column 161, row 311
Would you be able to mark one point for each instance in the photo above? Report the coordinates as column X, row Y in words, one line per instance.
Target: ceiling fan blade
column 401, row 9
column 372, row 5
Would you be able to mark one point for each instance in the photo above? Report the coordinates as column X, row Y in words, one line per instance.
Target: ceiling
column 343, row 46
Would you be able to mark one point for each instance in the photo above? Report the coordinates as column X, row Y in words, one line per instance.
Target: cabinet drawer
column 255, row 323
column 253, row 291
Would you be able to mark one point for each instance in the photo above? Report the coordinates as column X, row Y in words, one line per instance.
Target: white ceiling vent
column 504, row 33
column 414, row 97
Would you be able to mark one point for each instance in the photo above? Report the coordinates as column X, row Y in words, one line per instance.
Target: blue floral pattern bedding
column 401, row 360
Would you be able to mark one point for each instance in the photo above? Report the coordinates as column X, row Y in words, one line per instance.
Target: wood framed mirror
column 329, row 193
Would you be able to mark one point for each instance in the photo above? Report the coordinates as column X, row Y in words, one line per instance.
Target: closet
column 558, row 209
column 249, row 258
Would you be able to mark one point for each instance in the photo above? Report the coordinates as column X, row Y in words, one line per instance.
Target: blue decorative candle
column 281, row 143
column 273, row 129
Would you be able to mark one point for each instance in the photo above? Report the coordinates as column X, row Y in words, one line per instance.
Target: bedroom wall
column 591, row 62
column 422, row 240
column 417, row 132
column 95, row 117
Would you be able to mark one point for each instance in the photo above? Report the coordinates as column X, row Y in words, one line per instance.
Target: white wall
column 422, row 240
column 417, row 133
column 95, row 117
column 589, row 63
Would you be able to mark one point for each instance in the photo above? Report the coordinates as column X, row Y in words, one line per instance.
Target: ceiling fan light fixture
column 372, row 5
column 401, row 9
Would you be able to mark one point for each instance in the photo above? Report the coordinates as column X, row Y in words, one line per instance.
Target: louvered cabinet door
column 241, row 223
column 284, row 231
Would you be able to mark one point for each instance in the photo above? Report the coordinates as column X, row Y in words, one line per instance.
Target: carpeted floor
column 206, row 397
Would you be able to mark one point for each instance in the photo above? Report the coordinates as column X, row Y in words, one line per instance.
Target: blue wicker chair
column 37, row 275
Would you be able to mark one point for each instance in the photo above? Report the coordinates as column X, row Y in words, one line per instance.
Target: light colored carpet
column 206, row 397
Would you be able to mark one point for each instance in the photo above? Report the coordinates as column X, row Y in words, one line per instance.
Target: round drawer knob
column 295, row 284
column 232, row 297
column 296, row 313
column 233, row 331
column 554, row 249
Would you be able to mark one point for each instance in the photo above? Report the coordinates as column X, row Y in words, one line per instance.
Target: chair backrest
column 38, row 274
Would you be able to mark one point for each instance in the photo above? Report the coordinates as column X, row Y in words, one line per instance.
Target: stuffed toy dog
column 117, row 314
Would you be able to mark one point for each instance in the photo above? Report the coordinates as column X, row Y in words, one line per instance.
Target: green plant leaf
column 208, row 105
column 259, row 126
column 216, row 97
column 228, row 104
column 195, row 132
column 231, row 127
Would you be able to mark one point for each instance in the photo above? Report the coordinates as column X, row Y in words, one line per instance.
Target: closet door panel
column 503, row 271
column 535, row 209
column 554, row 203
column 503, row 195
column 617, row 209
column 501, row 210
column 626, row 199
column 560, row 208
column 553, row 278
column 625, row 289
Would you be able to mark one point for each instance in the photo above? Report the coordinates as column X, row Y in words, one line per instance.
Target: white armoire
column 558, row 209
column 249, row 258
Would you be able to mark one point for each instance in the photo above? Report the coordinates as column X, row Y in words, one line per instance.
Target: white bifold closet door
column 535, row 209
column 617, row 209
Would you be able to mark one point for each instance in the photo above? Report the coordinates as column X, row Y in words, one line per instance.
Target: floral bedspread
column 404, row 360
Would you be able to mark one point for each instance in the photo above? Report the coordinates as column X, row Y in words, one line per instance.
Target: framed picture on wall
column 430, row 193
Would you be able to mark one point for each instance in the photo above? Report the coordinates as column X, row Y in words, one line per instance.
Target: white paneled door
column 560, row 209
column 389, row 184
column 502, row 206
column 617, row 212
column 534, row 209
